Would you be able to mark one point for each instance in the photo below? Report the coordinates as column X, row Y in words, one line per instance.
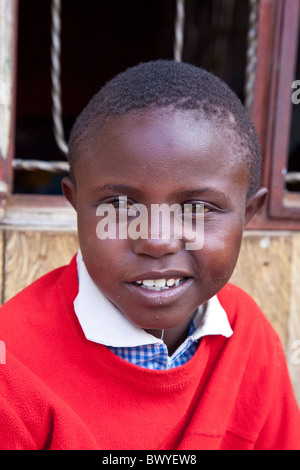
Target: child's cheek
column 219, row 254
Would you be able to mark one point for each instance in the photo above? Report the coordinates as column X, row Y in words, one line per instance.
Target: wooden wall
column 268, row 269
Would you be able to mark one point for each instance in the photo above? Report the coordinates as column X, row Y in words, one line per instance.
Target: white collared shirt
column 102, row 322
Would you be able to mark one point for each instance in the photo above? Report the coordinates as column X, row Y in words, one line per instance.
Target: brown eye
column 195, row 208
column 120, row 203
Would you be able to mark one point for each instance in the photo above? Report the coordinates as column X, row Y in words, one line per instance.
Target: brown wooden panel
column 293, row 343
column 264, row 271
column 29, row 255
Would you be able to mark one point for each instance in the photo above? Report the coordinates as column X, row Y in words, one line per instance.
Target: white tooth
column 170, row 282
column 148, row 282
column 159, row 282
column 177, row 281
column 139, row 282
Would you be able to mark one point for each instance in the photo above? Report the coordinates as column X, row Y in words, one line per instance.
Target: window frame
column 271, row 112
column 26, row 211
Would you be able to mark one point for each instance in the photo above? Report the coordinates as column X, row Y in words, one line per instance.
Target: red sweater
column 60, row 391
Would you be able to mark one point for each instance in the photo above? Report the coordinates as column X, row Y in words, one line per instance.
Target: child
column 141, row 343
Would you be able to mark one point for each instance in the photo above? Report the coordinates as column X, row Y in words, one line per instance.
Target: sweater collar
column 102, row 322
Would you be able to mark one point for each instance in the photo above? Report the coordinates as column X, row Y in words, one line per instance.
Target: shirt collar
column 102, row 322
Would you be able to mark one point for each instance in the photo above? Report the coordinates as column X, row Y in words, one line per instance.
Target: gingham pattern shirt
column 155, row 356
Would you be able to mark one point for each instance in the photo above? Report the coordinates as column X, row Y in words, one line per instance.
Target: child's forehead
column 167, row 120
column 184, row 129
column 163, row 140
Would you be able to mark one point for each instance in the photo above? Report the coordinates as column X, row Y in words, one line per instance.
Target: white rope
column 292, row 177
column 55, row 76
column 251, row 55
column 34, row 165
column 52, row 166
column 179, row 30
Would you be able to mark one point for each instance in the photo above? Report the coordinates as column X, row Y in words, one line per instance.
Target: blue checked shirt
column 155, row 356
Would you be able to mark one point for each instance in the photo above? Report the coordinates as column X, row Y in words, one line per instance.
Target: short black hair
column 168, row 83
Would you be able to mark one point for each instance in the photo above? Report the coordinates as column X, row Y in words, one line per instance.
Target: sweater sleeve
column 25, row 420
column 33, row 417
column 13, row 434
column 281, row 429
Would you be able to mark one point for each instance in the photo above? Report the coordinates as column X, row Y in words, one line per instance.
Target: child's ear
column 255, row 203
column 68, row 189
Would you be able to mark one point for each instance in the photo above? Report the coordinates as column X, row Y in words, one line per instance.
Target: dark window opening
column 294, row 150
column 100, row 39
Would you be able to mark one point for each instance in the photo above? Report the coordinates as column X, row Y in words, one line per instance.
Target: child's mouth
column 159, row 284
column 161, row 290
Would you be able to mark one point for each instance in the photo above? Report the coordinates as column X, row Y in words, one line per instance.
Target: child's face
column 157, row 157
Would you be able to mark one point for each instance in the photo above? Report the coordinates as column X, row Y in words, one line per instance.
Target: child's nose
column 156, row 248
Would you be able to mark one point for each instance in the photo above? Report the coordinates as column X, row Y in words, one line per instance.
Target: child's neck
column 173, row 337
